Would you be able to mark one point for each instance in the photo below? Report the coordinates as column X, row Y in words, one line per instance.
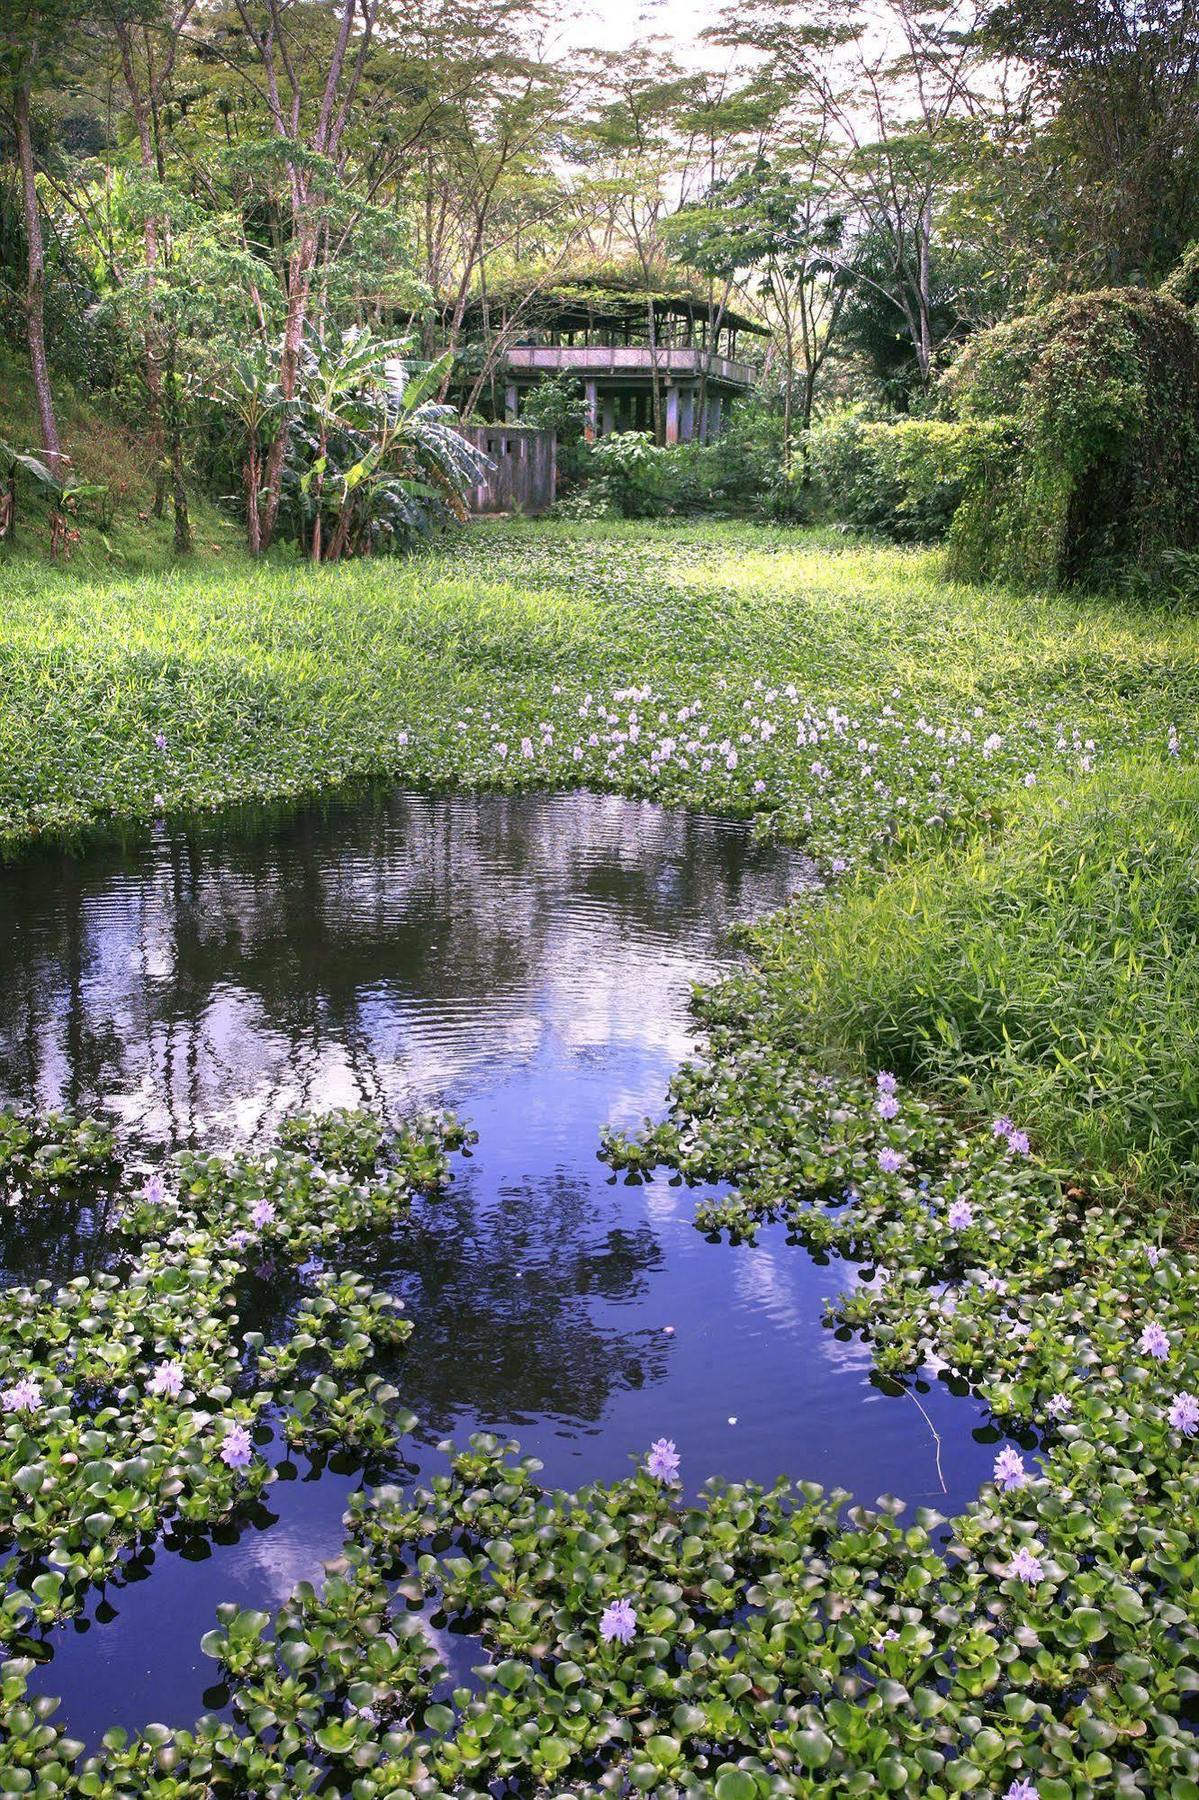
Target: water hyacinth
column 618, row 1622
column 1026, row 1565
column 1010, row 1472
column 960, row 1216
column 663, row 1461
column 236, row 1450
column 890, row 1161
column 1022, row 1789
column 23, row 1396
column 1183, row 1415
column 1154, row 1342
column 167, row 1379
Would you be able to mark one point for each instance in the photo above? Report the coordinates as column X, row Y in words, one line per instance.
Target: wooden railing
column 626, row 359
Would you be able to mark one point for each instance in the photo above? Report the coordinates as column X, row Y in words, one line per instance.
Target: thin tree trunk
column 35, row 289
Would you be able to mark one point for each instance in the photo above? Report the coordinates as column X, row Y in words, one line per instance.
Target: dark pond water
column 527, row 962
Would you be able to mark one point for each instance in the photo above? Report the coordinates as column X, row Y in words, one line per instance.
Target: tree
column 37, row 33
column 1114, row 87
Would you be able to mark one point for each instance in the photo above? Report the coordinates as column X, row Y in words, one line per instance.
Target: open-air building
column 620, row 346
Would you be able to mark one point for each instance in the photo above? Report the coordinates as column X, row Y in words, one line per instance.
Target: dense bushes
column 1091, row 463
column 904, row 480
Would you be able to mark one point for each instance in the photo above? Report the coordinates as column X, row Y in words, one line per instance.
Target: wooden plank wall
column 524, row 471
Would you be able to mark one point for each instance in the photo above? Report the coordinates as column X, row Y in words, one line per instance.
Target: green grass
column 1016, row 917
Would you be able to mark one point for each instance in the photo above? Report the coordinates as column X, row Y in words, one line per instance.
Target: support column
column 608, row 414
column 687, row 422
column 511, row 404
column 715, row 415
column 591, row 395
column 672, row 415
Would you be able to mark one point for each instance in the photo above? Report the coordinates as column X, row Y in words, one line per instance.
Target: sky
column 623, row 24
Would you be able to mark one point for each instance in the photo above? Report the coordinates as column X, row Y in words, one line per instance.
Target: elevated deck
column 623, row 362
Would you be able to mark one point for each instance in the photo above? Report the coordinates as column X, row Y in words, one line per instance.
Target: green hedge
column 903, row 479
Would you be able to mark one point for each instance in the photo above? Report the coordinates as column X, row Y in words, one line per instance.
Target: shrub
column 904, row 479
column 1091, row 461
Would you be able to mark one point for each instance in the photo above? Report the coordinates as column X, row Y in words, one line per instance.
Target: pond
column 527, row 962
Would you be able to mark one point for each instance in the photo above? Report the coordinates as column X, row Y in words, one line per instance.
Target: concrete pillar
column 672, row 415
column 511, row 404
column 687, row 422
column 608, row 414
column 591, row 395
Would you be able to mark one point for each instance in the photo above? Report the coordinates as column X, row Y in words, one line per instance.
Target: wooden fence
column 524, row 468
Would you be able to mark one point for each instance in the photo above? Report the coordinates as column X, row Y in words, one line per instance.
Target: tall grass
column 1052, row 975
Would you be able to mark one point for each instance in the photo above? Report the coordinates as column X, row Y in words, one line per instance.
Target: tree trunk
column 35, row 289
column 289, row 371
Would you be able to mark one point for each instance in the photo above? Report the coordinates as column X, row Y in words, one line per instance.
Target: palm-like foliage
column 374, row 462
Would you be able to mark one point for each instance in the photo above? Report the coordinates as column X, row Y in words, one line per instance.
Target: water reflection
column 527, row 961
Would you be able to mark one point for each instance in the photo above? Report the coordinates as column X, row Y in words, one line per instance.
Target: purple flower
column 885, row 1082
column 160, row 742
column 663, row 1460
column 1018, row 1141
column 1025, row 1566
column 1002, row 1127
column 960, row 1216
column 618, row 1621
column 526, row 748
column 1010, row 1472
column 1153, row 1256
column 262, row 1213
column 24, row 1396
column 167, row 1379
column 154, row 1192
column 1154, row 1341
column 1021, row 1790
column 238, row 1239
column 236, row 1450
column 887, row 1106
column 1059, row 1407
column 890, row 1161
column 1184, row 1414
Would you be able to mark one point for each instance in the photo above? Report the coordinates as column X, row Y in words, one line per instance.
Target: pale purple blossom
column 890, row 1161
column 1154, row 1341
column 1010, row 1472
column 167, row 1379
column 262, row 1213
column 154, row 1192
column 887, row 1106
column 1059, row 1407
column 1153, row 1256
column 1002, row 1127
column 24, row 1396
column 663, row 1460
column 1021, row 1790
column 236, row 1449
column 960, row 1216
column 1026, row 1566
column 1184, row 1414
column 885, row 1082
column 160, row 742
column 1018, row 1141
column 618, row 1621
